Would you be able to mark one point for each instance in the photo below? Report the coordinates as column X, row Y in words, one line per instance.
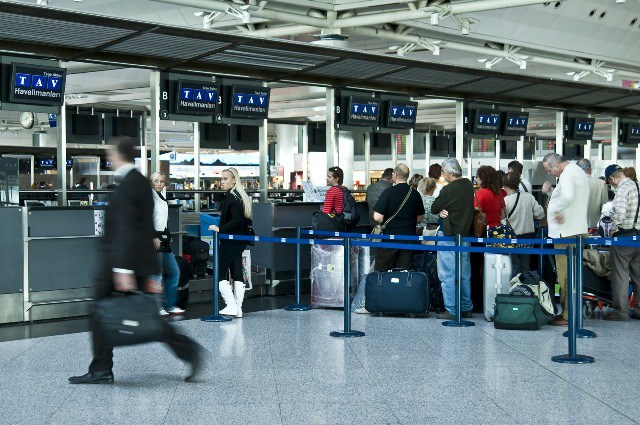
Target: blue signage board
column 37, row 85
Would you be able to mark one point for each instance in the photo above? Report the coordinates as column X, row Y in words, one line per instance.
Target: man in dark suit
column 129, row 258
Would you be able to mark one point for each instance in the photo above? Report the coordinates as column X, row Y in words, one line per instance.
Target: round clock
column 27, row 119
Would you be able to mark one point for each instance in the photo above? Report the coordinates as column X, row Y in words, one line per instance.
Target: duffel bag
column 397, row 292
column 518, row 312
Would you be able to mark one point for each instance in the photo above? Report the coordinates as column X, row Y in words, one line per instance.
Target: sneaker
column 175, row 311
column 361, row 310
column 163, row 313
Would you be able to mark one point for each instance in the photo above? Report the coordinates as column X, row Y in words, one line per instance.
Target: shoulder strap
column 523, row 186
column 406, row 198
column 635, row 220
column 514, row 205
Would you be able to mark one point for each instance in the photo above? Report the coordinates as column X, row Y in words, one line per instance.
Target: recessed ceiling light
column 633, row 22
column 603, row 14
column 199, row 13
column 593, row 12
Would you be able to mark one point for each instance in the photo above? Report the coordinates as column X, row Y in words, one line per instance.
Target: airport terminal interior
column 283, row 91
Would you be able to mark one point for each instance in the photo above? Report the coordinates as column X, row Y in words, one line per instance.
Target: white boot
column 238, row 287
column 229, row 300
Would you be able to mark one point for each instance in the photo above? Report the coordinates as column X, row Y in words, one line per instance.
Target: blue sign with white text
column 401, row 114
column 250, row 102
column 37, row 85
column 197, row 98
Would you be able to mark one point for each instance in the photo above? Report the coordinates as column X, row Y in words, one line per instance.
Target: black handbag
column 327, row 222
column 129, row 319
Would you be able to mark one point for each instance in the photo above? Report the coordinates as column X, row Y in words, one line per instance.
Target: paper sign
column 98, row 221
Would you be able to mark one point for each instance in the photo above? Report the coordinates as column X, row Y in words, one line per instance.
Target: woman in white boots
column 235, row 218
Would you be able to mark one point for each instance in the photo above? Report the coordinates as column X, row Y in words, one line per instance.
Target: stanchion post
column 573, row 357
column 459, row 323
column 347, row 332
column 541, row 256
column 298, row 306
column 580, row 331
column 216, row 316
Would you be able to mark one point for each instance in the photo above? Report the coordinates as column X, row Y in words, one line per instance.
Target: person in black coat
column 129, row 259
column 235, row 218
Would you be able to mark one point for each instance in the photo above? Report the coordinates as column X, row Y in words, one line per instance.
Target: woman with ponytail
column 235, row 217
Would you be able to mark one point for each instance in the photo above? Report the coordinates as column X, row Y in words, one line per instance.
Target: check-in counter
column 49, row 258
column 280, row 220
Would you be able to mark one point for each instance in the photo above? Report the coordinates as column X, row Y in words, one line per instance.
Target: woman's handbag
column 327, row 222
column 504, row 230
column 479, row 224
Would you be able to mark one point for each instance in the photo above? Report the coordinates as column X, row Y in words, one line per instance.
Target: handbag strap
column 635, row 220
column 406, row 198
column 514, row 205
column 523, row 186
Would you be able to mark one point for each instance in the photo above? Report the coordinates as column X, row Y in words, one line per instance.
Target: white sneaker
column 163, row 313
column 176, row 310
column 361, row 310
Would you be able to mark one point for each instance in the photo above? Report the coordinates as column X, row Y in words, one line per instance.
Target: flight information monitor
column 632, row 133
column 37, row 85
column 486, row 121
column 515, row 123
column 582, row 128
column 249, row 102
column 197, row 98
column 401, row 114
column 363, row 111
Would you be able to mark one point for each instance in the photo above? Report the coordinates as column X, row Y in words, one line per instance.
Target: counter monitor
column 37, row 85
column 197, row 98
column 249, row 102
column 363, row 111
column 515, row 123
column 47, row 163
column 582, row 128
column 632, row 133
column 401, row 114
column 486, row 121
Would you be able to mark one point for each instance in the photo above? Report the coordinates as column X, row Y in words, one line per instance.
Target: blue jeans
column 358, row 300
column 447, row 275
column 170, row 267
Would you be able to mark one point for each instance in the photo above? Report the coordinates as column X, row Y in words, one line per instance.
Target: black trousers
column 387, row 259
column 230, row 261
column 182, row 346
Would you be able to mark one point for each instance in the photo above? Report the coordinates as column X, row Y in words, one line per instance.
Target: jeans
column 170, row 267
column 358, row 300
column 447, row 275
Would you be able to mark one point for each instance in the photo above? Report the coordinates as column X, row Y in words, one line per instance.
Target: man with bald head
column 399, row 209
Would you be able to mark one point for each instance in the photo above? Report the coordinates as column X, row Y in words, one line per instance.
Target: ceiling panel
column 621, row 103
column 267, row 58
column 546, row 92
column 594, row 97
column 162, row 45
column 491, row 85
column 426, row 78
column 354, row 69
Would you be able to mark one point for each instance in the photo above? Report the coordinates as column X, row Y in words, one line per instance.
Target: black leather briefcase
column 129, row 319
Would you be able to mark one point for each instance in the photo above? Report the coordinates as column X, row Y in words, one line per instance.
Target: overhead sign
column 363, row 111
column 197, row 98
column 583, row 128
column 249, row 102
column 401, row 114
column 515, row 123
column 487, row 121
column 37, row 85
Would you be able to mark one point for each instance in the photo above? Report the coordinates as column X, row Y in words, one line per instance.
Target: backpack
column 349, row 207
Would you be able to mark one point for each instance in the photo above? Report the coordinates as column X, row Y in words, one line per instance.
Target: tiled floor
column 278, row 367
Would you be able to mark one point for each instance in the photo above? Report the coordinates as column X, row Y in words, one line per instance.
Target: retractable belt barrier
column 574, row 269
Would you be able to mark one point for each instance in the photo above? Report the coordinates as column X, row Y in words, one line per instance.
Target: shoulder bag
column 504, row 229
column 378, row 229
column 479, row 224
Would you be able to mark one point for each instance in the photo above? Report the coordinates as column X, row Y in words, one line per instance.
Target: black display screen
column 197, row 98
column 363, row 111
column 401, row 114
column 85, row 125
column 515, row 123
column 582, row 128
column 249, row 102
column 632, row 133
column 123, row 126
column 486, row 121
column 214, row 136
column 37, row 85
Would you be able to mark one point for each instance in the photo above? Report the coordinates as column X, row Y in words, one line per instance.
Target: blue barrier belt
column 522, row 241
column 245, row 238
column 628, row 241
column 453, row 248
column 379, row 237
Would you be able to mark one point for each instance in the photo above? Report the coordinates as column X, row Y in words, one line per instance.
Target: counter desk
column 49, row 258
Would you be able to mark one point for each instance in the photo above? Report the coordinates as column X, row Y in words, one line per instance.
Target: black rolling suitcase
column 397, row 292
column 182, row 298
column 196, row 252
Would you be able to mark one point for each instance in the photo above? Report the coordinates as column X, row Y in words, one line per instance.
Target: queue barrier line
column 572, row 357
column 380, row 237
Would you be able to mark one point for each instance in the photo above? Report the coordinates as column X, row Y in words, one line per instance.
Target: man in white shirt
column 516, row 167
column 597, row 194
column 566, row 215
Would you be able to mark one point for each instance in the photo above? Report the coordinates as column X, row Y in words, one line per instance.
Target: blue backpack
column 349, row 208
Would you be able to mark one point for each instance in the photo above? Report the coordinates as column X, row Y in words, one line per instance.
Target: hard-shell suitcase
column 327, row 275
column 182, row 297
column 397, row 292
column 496, row 278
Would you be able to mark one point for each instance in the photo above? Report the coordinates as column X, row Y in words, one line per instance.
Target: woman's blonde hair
column 246, row 201
column 427, row 184
column 156, row 175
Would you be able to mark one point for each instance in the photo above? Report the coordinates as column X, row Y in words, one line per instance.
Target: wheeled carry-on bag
column 496, row 278
column 397, row 292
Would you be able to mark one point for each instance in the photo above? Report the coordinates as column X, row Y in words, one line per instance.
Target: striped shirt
column 625, row 205
column 333, row 201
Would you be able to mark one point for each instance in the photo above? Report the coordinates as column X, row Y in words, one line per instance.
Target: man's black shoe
column 445, row 315
column 93, row 378
column 196, row 366
column 467, row 314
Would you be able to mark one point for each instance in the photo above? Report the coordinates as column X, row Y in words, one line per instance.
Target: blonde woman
column 162, row 244
column 235, row 217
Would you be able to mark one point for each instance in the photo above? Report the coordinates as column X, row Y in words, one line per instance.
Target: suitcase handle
column 409, row 283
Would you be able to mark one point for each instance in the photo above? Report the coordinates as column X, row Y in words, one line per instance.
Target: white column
column 286, row 148
column 144, row 169
column 346, row 156
column 560, row 132
column 460, row 135
column 367, row 159
column 305, row 152
column 61, row 154
column 587, row 150
column 264, row 166
column 498, row 153
column 394, row 151
column 331, row 133
column 615, row 127
column 154, row 136
column 520, row 149
column 427, row 151
column 409, row 147
column 196, row 165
